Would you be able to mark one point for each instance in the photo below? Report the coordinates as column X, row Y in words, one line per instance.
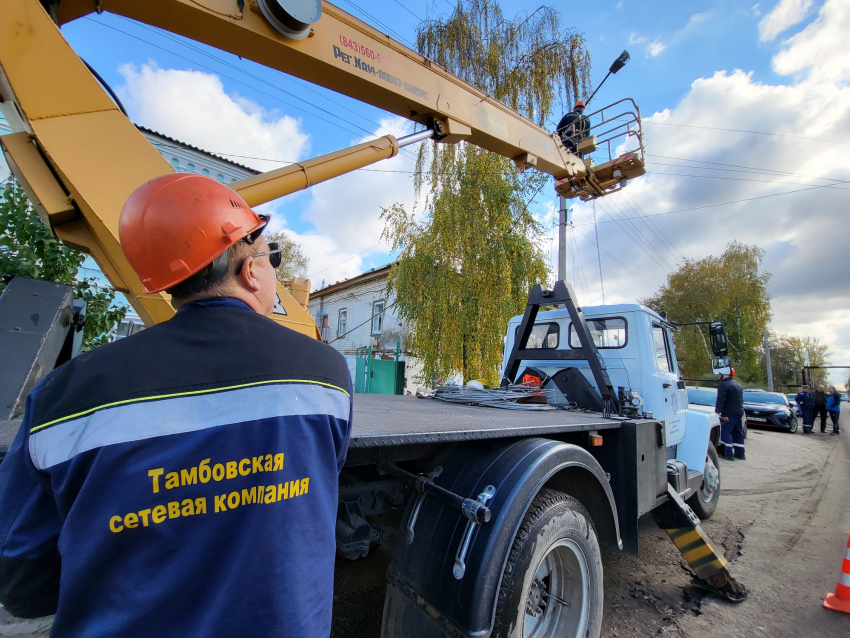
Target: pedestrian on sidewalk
column 819, row 398
column 833, row 406
column 730, row 407
column 807, row 408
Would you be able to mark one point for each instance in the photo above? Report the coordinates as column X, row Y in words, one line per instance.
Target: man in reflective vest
column 183, row 481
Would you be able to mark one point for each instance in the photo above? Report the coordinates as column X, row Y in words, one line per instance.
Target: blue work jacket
column 180, row 482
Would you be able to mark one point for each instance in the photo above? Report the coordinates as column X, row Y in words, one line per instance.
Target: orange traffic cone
column 840, row 600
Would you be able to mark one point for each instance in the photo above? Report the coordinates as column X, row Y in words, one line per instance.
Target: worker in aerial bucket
column 574, row 127
column 183, row 481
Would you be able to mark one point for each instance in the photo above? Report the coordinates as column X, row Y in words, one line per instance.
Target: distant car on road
column 770, row 409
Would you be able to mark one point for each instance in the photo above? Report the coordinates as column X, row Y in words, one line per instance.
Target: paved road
column 783, row 521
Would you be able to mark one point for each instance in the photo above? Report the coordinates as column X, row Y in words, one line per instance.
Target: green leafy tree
column 294, row 262
column 29, row 249
column 467, row 266
column 730, row 288
column 788, row 356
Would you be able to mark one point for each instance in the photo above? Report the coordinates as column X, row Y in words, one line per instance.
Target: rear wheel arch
column 584, row 486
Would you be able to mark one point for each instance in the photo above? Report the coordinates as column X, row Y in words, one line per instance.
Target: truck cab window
column 662, row 350
column 544, row 336
column 606, row 333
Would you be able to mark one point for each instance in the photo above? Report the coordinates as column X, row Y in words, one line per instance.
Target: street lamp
column 618, row 64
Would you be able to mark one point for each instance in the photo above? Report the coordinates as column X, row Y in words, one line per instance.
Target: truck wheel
column 704, row 501
column 552, row 583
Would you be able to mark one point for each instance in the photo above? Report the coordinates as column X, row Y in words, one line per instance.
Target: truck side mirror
column 721, row 365
column 717, row 333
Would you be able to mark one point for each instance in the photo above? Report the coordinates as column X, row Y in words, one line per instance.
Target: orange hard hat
column 579, row 104
column 174, row 225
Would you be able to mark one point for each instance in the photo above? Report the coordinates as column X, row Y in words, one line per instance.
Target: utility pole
column 767, row 361
column 562, row 239
column 598, row 255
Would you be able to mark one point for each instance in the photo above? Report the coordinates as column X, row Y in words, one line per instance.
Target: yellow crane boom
column 79, row 158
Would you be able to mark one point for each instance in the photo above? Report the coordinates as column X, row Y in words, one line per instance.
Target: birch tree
column 467, row 265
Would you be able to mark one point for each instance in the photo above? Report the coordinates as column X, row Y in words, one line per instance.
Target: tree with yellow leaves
column 468, row 265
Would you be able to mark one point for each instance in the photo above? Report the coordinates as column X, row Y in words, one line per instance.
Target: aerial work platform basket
column 623, row 128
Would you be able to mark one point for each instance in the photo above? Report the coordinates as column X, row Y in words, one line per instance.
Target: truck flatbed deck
column 390, row 420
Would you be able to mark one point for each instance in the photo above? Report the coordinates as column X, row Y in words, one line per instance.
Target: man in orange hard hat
column 574, row 127
column 183, row 481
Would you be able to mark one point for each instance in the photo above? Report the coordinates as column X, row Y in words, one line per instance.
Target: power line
column 240, row 82
column 744, row 179
column 754, row 169
column 665, row 241
column 735, row 130
column 403, row 6
column 251, row 75
column 193, row 46
column 319, row 272
column 737, row 201
column 389, row 29
column 630, row 221
column 631, row 236
column 614, row 258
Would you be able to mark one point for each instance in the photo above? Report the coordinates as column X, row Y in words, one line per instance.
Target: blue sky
column 774, row 67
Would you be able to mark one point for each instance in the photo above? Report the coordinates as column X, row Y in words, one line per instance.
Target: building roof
column 144, row 129
column 375, row 273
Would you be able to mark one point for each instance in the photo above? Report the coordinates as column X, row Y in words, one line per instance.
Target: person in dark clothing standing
column 730, row 407
column 819, row 398
column 573, row 127
column 147, row 486
column 807, row 408
column 833, row 406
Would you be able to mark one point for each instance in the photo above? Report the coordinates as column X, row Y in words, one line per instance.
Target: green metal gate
column 377, row 376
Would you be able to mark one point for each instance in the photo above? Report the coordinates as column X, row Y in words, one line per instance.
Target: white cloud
column 695, row 19
column 756, row 10
column 820, row 48
column 655, row 47
column 652, row 48
column 347, row 209
column 785, row 14
column 805, row 234
column 193, row 107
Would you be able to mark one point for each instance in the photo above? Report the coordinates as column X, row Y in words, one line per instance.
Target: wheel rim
column 793, row 427
column 556, row 604
column 710, row 481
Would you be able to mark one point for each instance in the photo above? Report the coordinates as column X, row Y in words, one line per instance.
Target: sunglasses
column 275, row 256
column 254, row 236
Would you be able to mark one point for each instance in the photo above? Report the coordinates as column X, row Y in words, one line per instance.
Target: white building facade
column 356, row 314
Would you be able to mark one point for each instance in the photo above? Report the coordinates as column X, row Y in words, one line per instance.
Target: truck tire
column 555, row 559
column 704, row 500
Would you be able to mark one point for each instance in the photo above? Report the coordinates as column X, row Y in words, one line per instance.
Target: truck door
column 667, row 378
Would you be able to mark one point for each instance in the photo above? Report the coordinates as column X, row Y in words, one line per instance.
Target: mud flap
column 706, row 561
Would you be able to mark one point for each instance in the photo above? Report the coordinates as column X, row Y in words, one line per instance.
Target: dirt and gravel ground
column 783, row 522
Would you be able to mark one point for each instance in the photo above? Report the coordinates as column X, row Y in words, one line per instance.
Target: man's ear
column 248, row 275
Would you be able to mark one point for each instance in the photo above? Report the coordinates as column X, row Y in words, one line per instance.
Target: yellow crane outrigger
column 78, row 157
